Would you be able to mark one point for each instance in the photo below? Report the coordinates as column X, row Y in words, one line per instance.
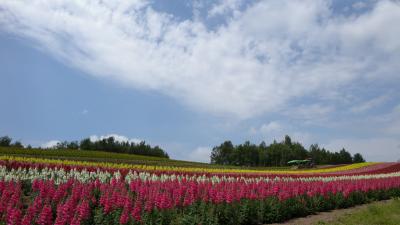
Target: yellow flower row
column 180, row 169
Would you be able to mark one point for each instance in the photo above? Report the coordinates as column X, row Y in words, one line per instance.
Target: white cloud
column 391, row 122
column 359, row 5
column 373, row 149
column 276, row 130
column 85, row 112
column 373, row 103
column 200, row 154
column 311, row 113
column 273, row 126
column 270, row 129
column 117, row 137
column 50, row 144
column 244, row 68
column 225, row 6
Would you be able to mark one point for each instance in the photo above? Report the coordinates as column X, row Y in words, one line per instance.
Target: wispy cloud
column 276, row 130
column 242, row 68
column 224, row 7
column 309, row 113
column 370, row 104
column 271, row 127
column 200, row 154
column 50, row 144
column 359, row 5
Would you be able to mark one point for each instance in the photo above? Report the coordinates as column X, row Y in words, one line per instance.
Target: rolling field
column 88, row 187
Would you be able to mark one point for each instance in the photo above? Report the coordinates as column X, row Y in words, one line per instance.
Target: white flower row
column 146, row 176
column 60, row 175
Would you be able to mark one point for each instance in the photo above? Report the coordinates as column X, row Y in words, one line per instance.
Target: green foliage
column 377, row 213
column 276, row 154
column 223, row 153
column 106, row 144
column 5, row 141
column 18, row 144
column 98, row 216
column 358, row 158
column 111, row 145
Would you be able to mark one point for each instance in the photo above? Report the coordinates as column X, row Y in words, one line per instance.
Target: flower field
column 49, row 191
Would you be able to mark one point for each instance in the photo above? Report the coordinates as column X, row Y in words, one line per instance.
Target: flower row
column 60, row 175
column 359, row 167
column 147, row 202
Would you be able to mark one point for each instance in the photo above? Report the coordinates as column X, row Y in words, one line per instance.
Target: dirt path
column 328, row 216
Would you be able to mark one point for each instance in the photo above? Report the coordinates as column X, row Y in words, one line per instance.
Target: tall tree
column 275, row 154
column 222, row 154
column 5, row 141
column 358, row 158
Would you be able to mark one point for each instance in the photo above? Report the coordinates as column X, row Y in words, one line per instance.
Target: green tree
column 263, row 154
column 5, row 141
column 222, row 154
column 288, row 140
column 358, row 158
column 73, row 145
column 18, row 144
column 345, row 156
column 274, row 153
column 86, row 144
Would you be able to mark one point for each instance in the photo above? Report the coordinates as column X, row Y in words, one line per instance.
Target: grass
column 94, row 156
column 377, row 213
column 77, row 153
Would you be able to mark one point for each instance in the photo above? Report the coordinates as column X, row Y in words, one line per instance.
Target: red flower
column 45, row 217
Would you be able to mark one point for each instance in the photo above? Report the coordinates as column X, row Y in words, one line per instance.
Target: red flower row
column 73, row 202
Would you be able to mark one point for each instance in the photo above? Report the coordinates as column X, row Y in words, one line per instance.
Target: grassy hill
column 95, row 156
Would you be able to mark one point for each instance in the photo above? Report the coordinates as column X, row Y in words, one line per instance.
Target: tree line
column 277, row 154
column 106, row 144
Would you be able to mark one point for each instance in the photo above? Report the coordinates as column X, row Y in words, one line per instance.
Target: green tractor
column 302, row 164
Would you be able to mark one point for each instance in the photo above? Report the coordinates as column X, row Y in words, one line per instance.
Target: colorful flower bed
column 43, row 191
column 358, row 167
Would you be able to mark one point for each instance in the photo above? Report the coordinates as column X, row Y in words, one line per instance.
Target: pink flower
column 137, row 211
column 45, row 217
column 124, row 217
column 83, row 210
column 14, row 216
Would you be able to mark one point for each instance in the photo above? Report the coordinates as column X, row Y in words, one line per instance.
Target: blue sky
column 187, row 75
